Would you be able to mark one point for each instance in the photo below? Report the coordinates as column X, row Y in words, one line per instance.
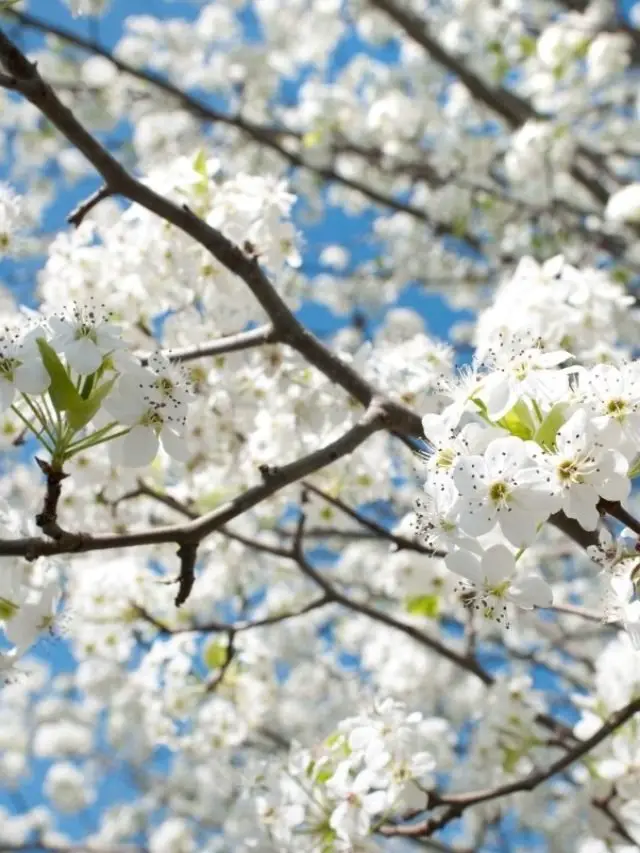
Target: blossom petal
column 531, row 590
column 497, row 564
column 175, row 445
column 32, row 377
column 83, row 356
column 465, row 564
column 139, row 447
column 7, row 394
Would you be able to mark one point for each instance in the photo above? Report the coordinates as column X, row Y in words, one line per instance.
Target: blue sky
column 336, row 227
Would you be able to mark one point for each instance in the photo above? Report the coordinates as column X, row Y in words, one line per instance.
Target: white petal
column 519, row 525
column 477, row 519
column 530, row 591
column 175, row 445
column 139, row 447
column 126, row 409
column 615, row 488
column 465, row 564
column 499, row 394
column 497, row 564
column 580, row 503
column 7, row 393
column 83, row 356
column 470, row 471
column 375, row 802
column 504, row 455
column 32, row 378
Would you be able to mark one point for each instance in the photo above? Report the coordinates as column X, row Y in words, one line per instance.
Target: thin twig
column 76, row 216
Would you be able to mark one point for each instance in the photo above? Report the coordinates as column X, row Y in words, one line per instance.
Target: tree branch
column 511, row 107
column 272, row 138
column 194, row 531
column 401, row 542
column 230, row 343
column 76, row 216
column 334, row 594
column 29, row 83
column 459, row 802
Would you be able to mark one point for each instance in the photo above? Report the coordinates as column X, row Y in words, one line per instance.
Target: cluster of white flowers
column 120, row 258
column 100, row 384
column 12, row 219
column 332, row 796
column 527, row 433
column 582, row 310
column 30, row 595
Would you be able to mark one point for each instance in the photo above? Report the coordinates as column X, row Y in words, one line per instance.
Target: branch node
column 47, row 519
column 77, row 215
column 187, row 554
column 267, row 472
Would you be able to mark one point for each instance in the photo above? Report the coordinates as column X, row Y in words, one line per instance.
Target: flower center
column 521, row 370
column 445, row 458
column 152, row 418
column 164, row 385
column 500, row 590
column 7, row 367
column 568, row 471
column 499, row 492
column 616, row 408
column 85, row 331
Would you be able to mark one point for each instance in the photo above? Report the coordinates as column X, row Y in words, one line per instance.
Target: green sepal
column 518, row 421
column 82, row 413
column 634, row 470
column 215, row 655
column 423, row 605
column 547, row 431
column 62, row 390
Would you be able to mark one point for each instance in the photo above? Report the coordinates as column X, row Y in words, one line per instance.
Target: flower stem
column 32, row 429
column 85, row 444
column 39, row 416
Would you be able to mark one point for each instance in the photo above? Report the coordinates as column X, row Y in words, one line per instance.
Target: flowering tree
column 351, row 592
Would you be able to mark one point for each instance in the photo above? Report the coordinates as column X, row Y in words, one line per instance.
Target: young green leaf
column 62, row 390
column 84, row 410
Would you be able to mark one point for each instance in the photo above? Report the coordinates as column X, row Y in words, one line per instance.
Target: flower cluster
column 332, row 797
column 29, row 596
column 12, row 219
column 99, row 393
column 525, row 435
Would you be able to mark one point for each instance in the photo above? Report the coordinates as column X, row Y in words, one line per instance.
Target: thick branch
column 512, row 108
column 272, row 138
column 459, row 802
column 27, row 80
column 196, row 530
column 332, row 593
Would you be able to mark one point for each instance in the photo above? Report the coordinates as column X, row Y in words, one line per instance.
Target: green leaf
column 502, row 67
column 62, row 390
column 510, row 759
column 548, row 429
column 621, row 275
column 423, row 605
column 6, row 4
column 459, row 226
column 634, row 471
column 215, row 654
column 82, row 412
column 527, row 46
column 519, row 421
column 200, row 166
column 312, row 138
